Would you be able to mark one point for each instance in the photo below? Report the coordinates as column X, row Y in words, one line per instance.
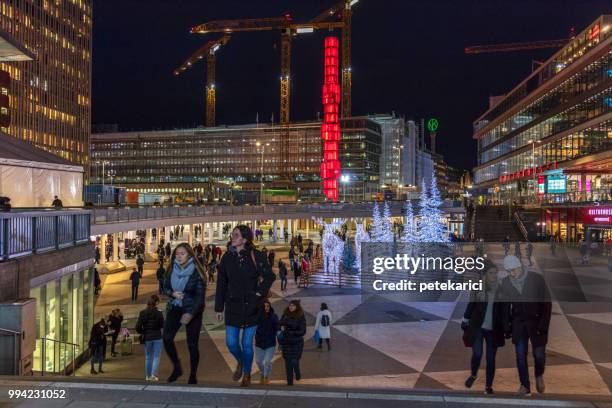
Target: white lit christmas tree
column 376, row 230
column 410, row 233
column 333, row 246
column 432, row 226
column 360, row 236
column 387, row 224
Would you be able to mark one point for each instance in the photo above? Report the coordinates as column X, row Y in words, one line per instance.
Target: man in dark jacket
column 245, row 277
column 115, row 319
column 526, row 318
column 97, row 341
column 293, row 325
column 159, row 274
column 282, row 274
column 140, row 264
column 135, row 278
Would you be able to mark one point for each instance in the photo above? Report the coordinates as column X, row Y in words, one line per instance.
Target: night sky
column 407, row 57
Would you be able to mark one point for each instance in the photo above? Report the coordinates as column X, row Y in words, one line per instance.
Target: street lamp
column 103, row 163
column 344, row 179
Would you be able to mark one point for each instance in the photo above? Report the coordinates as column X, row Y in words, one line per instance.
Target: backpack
column 260, row 278
column 324, row 320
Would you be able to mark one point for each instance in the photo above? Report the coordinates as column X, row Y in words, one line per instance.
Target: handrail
column 43, row 355
column 15, row 334
column 521, row 225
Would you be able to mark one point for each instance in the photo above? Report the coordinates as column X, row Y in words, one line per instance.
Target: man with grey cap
column 526, row 319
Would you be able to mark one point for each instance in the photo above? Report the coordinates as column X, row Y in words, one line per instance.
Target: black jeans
column 326, row 341
column 292, row 366
column 284, row 283
column 171, row 326
column 484, row 335
column 539, row 359
column 114, row 340
column 161, row 286
column 134, row 292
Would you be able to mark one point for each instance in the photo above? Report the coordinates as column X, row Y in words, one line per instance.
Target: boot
column 193, row 379
column 237, row 373
column 246, row 380
column 176, row 373
column 93, row 371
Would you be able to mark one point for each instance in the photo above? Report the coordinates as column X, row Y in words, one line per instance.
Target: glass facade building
column 559, row 119
column 64, row 318
column 49, row 97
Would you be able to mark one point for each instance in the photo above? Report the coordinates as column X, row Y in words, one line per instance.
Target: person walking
column 271, row 256
column 483, row 322
column 517, row 250
column 149, row 326
column 286, row 236
column 553, row 245
column 97, row 282
column 135, row 278
column 185, row 285
column 168, row 249
column 115, row 319
column 323, row 325
column 526, row 319
column 291, row 339
column 212, row 270
column 57, row 203
column 97, row 255
column 244, row 280
column 265, row 341
column 584, row 253
column 97, row 340
column 506, row 245
column 282, row 273
column 160, row 275
column 140, row 264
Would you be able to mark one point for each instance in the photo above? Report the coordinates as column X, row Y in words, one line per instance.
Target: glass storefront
column 64, row 316
column 576, row 224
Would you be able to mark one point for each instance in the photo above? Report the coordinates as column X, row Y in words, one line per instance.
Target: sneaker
column 488, row 391
column 524, row 391
column 246, row 380
column 153, row 378
column 540, row 386
column 147, row 378
column 470, row 381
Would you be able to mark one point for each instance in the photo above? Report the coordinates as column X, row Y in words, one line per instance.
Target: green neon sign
column 432, row 124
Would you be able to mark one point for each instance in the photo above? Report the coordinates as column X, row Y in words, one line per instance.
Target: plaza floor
column 393, row 344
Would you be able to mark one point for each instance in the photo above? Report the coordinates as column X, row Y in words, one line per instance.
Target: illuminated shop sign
column 541, row 185
column 556, row 184
column 597, row 215
column 528, row 172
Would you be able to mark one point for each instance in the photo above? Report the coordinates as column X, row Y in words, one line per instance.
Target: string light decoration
column 330, row 128
column 360, row 236
column 332, row 244
column 410, row 233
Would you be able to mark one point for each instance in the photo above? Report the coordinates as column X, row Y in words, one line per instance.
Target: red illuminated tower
column 330, row 128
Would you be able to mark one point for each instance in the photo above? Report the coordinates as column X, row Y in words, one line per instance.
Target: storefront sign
column 556, row 184
column 597, row 215
column 528, row 172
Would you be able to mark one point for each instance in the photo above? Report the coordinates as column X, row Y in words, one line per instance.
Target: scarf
column 179, row 277
column 519, row 282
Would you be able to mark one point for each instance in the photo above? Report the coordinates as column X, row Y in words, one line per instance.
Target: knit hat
column 511, row 262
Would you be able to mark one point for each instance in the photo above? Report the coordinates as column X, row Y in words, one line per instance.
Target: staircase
column 493, row 228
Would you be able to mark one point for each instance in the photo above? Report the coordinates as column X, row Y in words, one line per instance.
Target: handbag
column 317, row 336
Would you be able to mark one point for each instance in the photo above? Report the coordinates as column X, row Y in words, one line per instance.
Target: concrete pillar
column 290, row 227
column 103, row 243
column 209, row 228
column 115, row 247
column 148, row 239
column 190, row 234
column 307, row 228
column 166, row 234
column 275, row 230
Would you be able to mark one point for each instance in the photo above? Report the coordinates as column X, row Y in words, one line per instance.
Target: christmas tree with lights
column 387, row 224
column 432, row 226
column 410, row 233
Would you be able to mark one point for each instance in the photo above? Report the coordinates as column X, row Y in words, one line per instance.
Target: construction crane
column 342, row 11
column 209, row 51
column 520, row 46
column 288, row 29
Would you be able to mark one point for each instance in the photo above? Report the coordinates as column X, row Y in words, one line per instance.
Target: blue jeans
column 263, row 357
column 242, row 351
column 539, row 359
column 152, row 355
column 477, row 349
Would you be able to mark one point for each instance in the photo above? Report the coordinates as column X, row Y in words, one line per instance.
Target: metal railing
column 521, row 226
column 62, row 356
column 126, row 214
column 32, row 232
column 16, row 345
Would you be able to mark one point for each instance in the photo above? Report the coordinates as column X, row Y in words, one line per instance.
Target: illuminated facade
column 330, row 129
column 49, row 98
column 555, row 124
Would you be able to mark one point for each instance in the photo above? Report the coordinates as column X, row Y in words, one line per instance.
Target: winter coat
column 195, row 292
column 265, row 336
column 282, row 270
column 475, row 314
column 97, row 337
column 239, row 290
column 135, row 278
column 292, row 340
column 529, row 311
column 150, row 322
column 115, row 322
column 324, row 331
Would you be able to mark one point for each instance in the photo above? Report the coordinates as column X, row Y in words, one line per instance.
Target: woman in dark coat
column 293, row 326
column 97, row 342
column 185, row 285
column 484, row 321
column 245, row 277
column 265, row 341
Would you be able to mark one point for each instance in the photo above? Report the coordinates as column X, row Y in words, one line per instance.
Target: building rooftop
column 14, row 149
column 11, row 50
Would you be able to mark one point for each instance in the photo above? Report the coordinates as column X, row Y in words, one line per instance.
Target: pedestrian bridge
column 111, row 220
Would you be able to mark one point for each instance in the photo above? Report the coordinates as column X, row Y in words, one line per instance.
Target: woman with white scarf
column 185, row 284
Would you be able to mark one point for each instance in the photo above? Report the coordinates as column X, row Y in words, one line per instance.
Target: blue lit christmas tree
column 387, row 224
column 432, row 226
column 410, row 233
